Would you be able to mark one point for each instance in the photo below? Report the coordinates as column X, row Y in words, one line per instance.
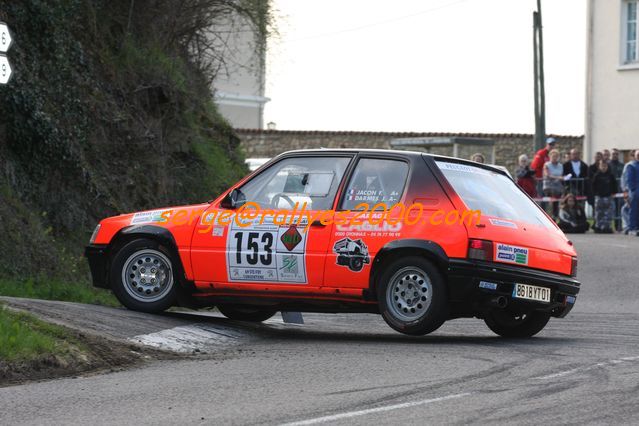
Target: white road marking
column 186, row 339
column 350, row 414
column 615, row 245
column 588, row 367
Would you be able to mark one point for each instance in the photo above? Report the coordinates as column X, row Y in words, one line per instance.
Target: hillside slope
column 108, row 112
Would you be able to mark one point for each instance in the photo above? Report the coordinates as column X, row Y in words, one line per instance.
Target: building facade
column 612, row 94
column 239, row 85
column 500, row 148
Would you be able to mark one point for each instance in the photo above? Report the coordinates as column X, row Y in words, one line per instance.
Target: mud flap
column 292, row 317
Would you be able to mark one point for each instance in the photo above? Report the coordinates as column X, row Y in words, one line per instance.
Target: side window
column 375, row 181
column 310, row 180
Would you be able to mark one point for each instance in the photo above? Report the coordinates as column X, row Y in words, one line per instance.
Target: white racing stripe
column 350, row 414
column 185, row 339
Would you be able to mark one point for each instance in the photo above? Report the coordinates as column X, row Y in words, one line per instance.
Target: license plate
column 531, row 292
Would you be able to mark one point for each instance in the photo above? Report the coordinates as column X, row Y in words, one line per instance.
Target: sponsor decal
column 351, row 253
column 208, row 218
column 504, row 223
column 488, row 285
column 218, row 231
column 462, row 168
column 289, row 264
column 155, row 216
column 511, row 254
column 366, row 226
column 291, row 238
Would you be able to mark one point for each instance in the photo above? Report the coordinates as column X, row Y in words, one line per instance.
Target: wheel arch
column 159, row 234
column 428, row 249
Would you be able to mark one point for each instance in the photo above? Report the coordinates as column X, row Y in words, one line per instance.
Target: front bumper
column 473, row 283
column 97, row 256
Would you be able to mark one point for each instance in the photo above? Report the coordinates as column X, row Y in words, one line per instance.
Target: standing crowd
column 562, row 186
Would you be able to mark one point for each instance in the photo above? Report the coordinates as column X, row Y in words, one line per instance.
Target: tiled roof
column 396, row 134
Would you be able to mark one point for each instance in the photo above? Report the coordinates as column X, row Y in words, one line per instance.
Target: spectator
column 572, row 218
column 616, row 168
column 594, row 167
column 625, row 214
column 540, row 159
column 553, row 179
column 632, row 185
column 625, row 209
column 604, row 185
column 578, row 183
column 525, row 176
column 478, row 158
column 606, row 155
column 566, row 157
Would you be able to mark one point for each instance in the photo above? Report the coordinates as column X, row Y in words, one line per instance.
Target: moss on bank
column 104, row 115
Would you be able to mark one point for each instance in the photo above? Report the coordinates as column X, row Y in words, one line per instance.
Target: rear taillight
column 573, row 267
column 480, row 249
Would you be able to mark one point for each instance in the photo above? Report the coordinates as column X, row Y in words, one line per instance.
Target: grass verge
column 32, row 349
column 42, row 288
column 25, row 338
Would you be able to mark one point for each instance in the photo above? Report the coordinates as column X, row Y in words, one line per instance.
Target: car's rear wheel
column 246, row 313
column 412, row 296
column 507, row 323
column 142, row 276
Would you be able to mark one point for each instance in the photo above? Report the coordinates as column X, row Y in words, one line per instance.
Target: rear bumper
column 96, row 254
column 473, row 283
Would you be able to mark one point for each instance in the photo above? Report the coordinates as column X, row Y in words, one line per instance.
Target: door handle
column 318, row 223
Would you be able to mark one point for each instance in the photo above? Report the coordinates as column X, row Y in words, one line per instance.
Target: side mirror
column 233, row 200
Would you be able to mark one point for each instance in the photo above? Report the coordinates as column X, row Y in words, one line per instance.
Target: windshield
column 493, row 194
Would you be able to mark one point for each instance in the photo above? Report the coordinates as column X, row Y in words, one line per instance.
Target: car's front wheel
column 412, row 296
column 246, row 313
column 142, row 276
column 512, row 324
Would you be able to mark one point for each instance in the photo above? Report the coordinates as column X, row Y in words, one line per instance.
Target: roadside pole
column 540, row 90
column 6, row 40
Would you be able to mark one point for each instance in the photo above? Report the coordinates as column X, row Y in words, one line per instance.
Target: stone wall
column 269, row 143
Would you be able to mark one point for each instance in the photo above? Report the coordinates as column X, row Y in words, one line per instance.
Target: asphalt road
column 353, row 369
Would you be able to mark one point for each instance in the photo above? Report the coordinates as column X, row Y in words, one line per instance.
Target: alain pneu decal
column 512, row 254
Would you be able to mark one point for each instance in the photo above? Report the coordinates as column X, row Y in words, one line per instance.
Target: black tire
column 432, row 316
column 246, row 312
column 166, row 295
column 518, row 326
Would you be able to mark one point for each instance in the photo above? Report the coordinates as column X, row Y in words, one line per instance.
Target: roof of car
column 396, row 152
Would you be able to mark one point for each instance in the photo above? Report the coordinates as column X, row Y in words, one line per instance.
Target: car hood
column 168, row 217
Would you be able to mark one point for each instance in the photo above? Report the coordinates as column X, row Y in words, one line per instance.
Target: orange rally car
column 320, row 236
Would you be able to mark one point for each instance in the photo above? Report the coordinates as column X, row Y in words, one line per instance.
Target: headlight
column 95, row 234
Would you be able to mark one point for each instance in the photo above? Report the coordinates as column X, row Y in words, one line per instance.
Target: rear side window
column 375, row 181
column 492, row 193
